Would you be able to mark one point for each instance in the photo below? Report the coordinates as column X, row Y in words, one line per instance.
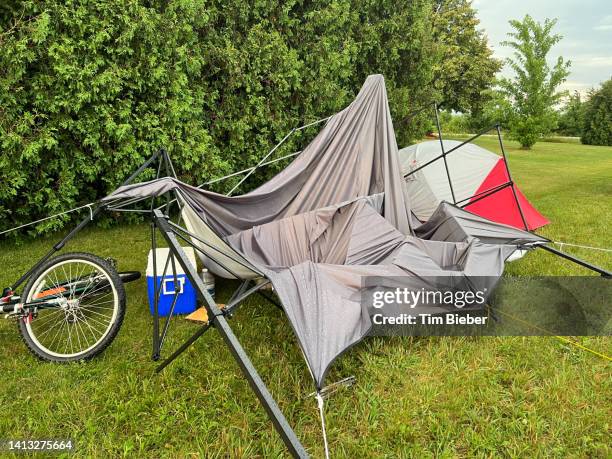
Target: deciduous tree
column 534, row 89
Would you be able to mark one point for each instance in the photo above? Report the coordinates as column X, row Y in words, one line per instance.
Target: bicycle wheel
column 88, row 311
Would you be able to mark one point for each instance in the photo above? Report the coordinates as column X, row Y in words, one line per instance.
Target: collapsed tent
column 339, row 213
column 479, row 178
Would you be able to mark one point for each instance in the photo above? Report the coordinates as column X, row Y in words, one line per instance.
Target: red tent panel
column 501, row 206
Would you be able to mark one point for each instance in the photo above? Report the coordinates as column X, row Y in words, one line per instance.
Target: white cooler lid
column 161, row 257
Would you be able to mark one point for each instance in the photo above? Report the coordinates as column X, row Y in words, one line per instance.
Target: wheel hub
column 72, row 310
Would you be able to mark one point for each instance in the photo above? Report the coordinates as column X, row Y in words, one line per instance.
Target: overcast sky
column 586, row 26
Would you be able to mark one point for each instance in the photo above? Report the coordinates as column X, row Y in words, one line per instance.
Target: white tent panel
column 468, row 167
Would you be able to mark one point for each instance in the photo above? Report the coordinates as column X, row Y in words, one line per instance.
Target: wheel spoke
column 94, row 312
column 58, row 333
column 97, row 304
column 95, row 321
column 94, row 291
column 91, row 329
column 47, row 317
column 60, row 319
column 96, row 298
column 78, row 323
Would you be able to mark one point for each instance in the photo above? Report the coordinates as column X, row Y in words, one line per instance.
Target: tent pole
column 272, row 161
column 450, row 182
column 142, row 168
column 157, row 293
column 225, row 177
column 93, row 213
column 199, row 249
column 155, row 355
column 218, row 319
column 262, row 161
column 270, row 300
column 216, row 249
column 483, row 194
column 172, row 306
column 192, row 339
column 577, row 260
column 455, row 148
column 518, row 204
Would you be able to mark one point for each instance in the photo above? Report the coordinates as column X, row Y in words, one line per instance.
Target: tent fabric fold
column 339, row 214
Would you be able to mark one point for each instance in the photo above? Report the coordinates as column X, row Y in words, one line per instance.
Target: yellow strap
column 561, row 338
column 581, row 346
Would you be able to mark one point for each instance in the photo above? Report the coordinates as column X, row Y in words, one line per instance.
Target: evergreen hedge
column 90, row 89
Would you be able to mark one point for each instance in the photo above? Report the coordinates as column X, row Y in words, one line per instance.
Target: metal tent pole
column 231, row 304
column 577, row 260
column 219, row 321
column 501, row 145
column 483, row 195
column 455, row 148
column 273, row 150
column 509, row 183
column 155, row 354
column 92, row 214
column 142, row 168
column 248, row 169
column 450, row 182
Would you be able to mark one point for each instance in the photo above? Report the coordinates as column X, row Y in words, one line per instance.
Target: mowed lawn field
column 413, row 397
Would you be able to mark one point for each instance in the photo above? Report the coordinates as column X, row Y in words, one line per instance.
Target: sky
column 586, row 26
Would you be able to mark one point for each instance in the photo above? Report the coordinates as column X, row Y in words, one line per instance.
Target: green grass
column 425, row 397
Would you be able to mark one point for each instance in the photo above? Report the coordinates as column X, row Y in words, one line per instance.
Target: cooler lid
column 161, row 257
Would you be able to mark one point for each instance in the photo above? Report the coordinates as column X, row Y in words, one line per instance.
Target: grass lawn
column 414, row 397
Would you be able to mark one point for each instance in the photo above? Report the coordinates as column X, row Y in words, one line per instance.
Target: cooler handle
column 166, row 291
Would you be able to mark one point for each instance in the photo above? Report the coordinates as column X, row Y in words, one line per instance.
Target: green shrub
column 597, row 128
column 527, row 131
column 90, row 89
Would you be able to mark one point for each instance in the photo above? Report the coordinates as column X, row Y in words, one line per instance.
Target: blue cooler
column 186, row 301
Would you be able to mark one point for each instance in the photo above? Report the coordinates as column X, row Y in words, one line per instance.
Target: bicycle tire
column 119, row 301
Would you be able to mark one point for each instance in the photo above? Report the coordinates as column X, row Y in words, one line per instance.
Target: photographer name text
column 429, row 319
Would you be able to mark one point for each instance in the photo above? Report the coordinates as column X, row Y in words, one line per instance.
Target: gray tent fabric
column 355, row 154
column 338, row 214
column 451, row 223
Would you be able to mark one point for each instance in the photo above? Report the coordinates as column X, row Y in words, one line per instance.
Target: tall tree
column 533, row 91
column 396, row 39
column 496, row 109
column 597, row 128
column 465, row 66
